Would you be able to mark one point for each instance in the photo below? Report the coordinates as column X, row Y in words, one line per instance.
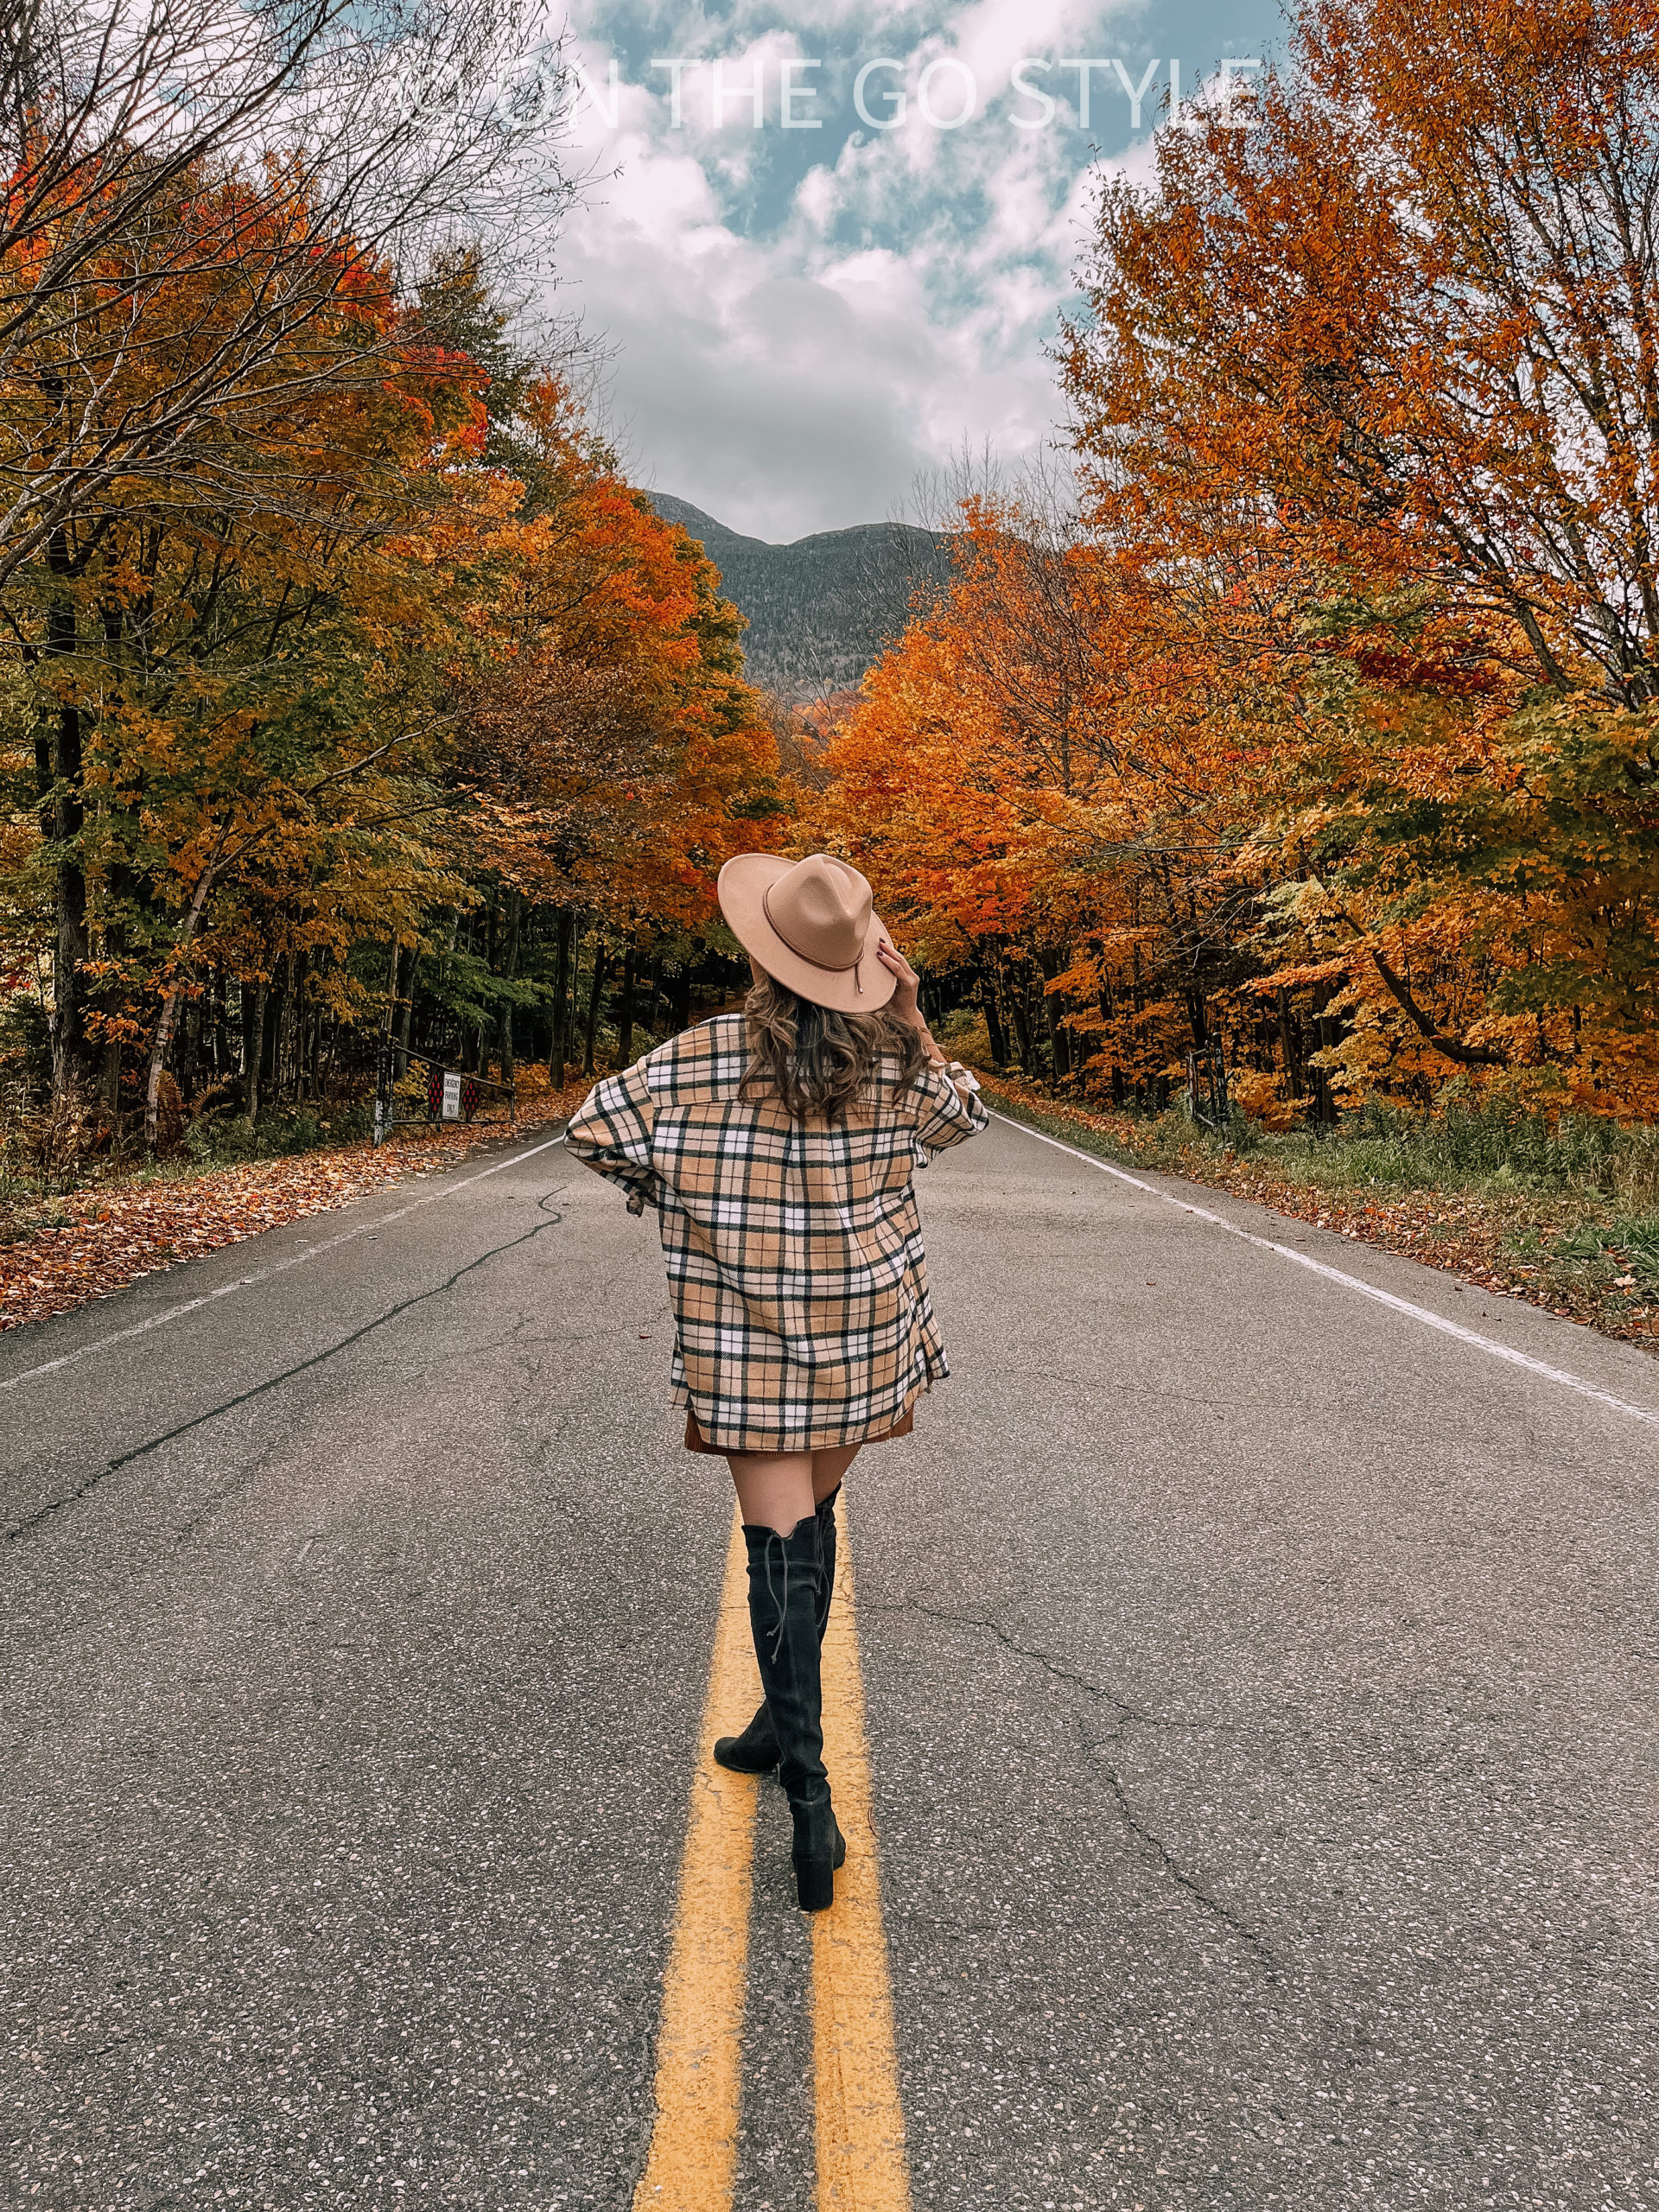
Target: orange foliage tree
column 372, row 747
column 615, row 755
column 1353, row 629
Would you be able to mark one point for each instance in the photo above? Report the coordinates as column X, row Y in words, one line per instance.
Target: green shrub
column 281, row 1132
column 1640, row 1240
column 1466, row 1142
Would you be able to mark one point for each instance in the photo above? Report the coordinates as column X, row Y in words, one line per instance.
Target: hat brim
column 744, row 882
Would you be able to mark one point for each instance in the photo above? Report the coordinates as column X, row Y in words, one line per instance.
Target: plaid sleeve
column 611, row 1133
column 948, row 1107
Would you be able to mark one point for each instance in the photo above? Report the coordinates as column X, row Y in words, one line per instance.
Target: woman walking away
column 779, row 1147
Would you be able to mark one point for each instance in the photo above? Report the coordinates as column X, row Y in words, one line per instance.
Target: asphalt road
column 1261, row 1700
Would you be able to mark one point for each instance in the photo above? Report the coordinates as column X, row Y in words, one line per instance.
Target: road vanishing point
column 1242, row 1713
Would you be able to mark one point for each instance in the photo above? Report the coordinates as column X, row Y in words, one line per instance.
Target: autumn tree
column 383, row 129
column 1398, row 336
column 618, row 756
column 181, row 284
column 1329, row 724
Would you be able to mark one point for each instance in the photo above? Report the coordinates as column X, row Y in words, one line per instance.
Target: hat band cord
column 829, row 966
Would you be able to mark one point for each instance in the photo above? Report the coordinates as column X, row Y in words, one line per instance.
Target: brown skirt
column 696, row 1441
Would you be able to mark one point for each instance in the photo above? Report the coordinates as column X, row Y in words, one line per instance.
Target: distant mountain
column 821, row 610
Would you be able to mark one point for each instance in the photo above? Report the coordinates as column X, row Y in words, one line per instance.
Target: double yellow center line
column 860, row 2132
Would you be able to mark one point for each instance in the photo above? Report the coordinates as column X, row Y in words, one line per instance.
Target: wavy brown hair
column 818, row 1062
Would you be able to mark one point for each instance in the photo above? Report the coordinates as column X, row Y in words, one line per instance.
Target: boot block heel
column 819, row 1849
column 815, row 1884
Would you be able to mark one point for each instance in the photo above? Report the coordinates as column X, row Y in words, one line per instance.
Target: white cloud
column 792, row 364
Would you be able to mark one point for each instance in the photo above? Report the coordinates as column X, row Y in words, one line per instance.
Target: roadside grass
column 1565, row 1216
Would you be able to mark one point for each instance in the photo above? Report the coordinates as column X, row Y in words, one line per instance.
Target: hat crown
column 821, row 908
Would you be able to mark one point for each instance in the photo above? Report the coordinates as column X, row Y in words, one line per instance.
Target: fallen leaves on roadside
column 111, row 1234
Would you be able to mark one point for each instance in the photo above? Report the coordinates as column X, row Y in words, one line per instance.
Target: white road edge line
column 280, row 1266
column 1349, row 1282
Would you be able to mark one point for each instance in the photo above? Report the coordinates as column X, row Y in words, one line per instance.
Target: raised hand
column 904, row 998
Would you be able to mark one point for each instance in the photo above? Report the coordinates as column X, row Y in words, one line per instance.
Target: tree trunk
column 69, row 1062
column 406, row 1013
column 510, row 973
column 271, row 1043
column 993, row 1029
column 109, row 1080
column 489, row 1019
column 568, row 1051
column 394, row 959
column 164, row 1036
column 384, row 1064
column 575, row 983
column 221, row 1025
column 254, row 1030
column 1325, row 1104
column 1021, row 1023
column 1287, row 1044
column 64, row 823
column 441, row 1015
column 601, row 962
column 111, row 1006
column 559, row 1028
column 301, row 1021
column 653, row 996
column 1060, row 1039
column 624, row 1018
column 189, row 1048
column 270, row 1009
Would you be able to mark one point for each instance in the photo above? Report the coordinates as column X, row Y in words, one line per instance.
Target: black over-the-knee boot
column 783, row 1615
column 755, row 1752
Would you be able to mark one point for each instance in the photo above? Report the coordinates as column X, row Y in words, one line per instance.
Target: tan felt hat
column 811, row 925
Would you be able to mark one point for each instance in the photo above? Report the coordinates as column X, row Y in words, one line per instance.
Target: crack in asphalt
column 260, row 1390
column 1026, row 1651
column 1170, row 1865
column 244, row 1478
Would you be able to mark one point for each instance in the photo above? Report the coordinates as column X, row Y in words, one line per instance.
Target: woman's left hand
column 904, row 998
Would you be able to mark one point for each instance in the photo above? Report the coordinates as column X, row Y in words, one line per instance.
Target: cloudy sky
column 802, row 316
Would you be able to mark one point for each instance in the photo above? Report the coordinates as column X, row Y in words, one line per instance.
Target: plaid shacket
column 794, row 1249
